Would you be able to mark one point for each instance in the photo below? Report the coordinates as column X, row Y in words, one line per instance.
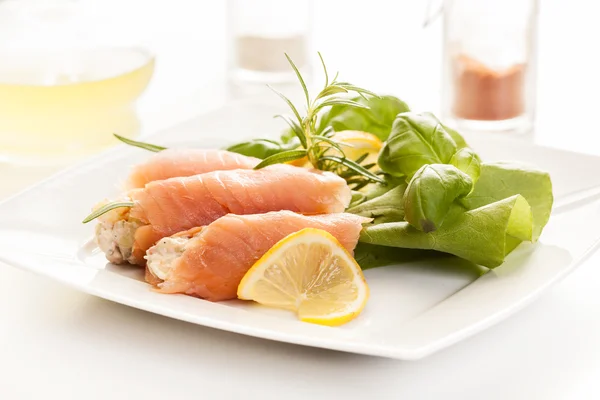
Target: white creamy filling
column 160, row 257
column 115, row 239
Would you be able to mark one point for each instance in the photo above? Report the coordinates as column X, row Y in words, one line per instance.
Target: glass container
column 490, row 64
column 69, row 78
column 260, row 32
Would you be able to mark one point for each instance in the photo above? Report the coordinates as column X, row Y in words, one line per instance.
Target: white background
column 58, row 343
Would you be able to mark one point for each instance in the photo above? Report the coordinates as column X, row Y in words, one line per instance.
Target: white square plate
column 415, row 309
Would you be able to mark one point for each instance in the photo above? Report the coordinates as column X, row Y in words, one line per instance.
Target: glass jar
column 260, row 32
column 69, row 78
column 490, row 64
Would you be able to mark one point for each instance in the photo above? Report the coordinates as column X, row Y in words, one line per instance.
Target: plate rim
column 374, row 349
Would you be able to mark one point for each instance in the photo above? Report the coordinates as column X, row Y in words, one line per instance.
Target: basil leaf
column 457, row 137
column 377, row 119
column 430, row 194
column 385, row 208
column 282, row 157
column 484, row 235
column 416, row 140
column 468, row 162
column 378, row 189
column 503, row 179
column 263, row 148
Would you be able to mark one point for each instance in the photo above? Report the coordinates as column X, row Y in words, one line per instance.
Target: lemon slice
column 311, row 273
column 359, row 143
column 354, row 144
column 301, row 162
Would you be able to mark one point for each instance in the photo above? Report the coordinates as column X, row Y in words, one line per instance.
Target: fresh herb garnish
column 448, row 200
column 106, row 208
column 263, row 148
column 429, row 193
column 146, row 146
column 376, row 119
column 321, row 151
column 484, row 235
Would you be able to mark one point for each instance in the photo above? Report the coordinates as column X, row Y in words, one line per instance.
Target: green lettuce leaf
column 385, row 208
column 357, row 198
column 377, row 119
column 377, row 189
column 416, row 140
column 504, row 179
column 263, row 148
column 430, row 194
column 373, row 256
column 468, row 162
column 484, row 235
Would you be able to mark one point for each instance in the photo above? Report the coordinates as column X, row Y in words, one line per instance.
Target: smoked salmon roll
column 171, row 163
column 210, row 262
column 163, row 208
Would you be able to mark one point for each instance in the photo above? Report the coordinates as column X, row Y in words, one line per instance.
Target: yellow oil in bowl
column 66, row 104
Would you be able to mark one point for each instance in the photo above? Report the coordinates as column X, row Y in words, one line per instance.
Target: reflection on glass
column 74, row 108
column 490, row 64
column 260, row 32
column 61, row 93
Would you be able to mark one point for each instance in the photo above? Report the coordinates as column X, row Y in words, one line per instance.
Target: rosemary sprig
column 146, row 146
column 321, row 150
column 106, row 208
column 284, row 156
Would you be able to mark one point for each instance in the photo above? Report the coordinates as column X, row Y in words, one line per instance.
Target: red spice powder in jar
column 484, row 94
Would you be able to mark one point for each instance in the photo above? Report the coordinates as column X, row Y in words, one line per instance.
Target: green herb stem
column 106, row 208
column 318, row 148
column 142, row 145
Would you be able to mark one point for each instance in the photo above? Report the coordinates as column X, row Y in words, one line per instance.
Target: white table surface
column 58, row 343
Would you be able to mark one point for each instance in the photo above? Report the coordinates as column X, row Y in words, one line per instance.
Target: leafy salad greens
column 429, row 193
column 434, row 194
column 452, row 202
